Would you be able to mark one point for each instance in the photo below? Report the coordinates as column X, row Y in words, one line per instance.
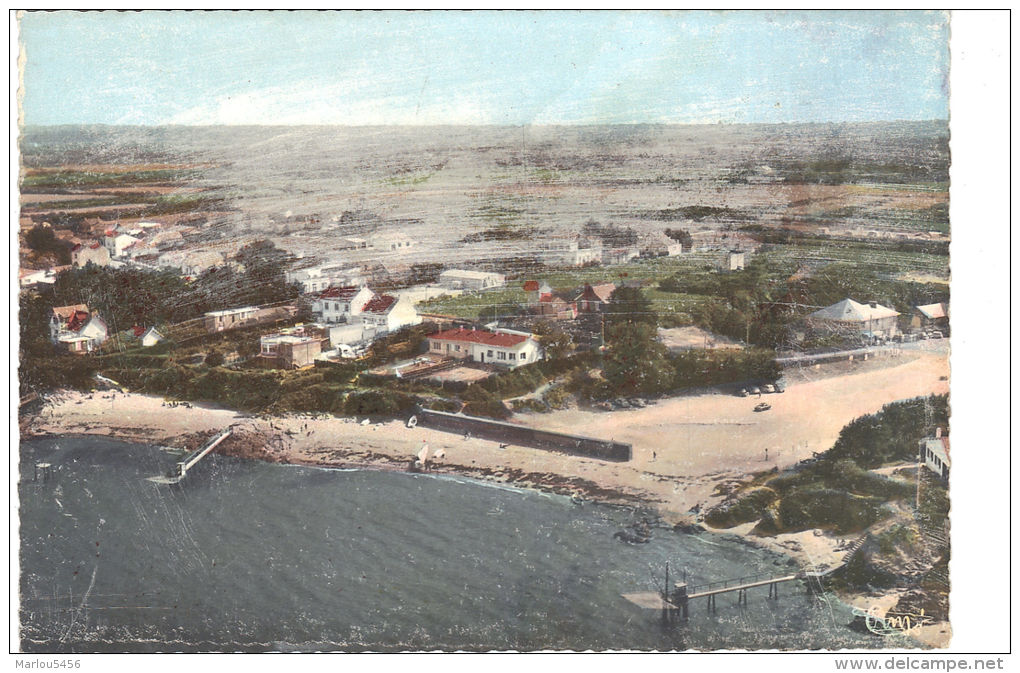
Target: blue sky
column 483, row 67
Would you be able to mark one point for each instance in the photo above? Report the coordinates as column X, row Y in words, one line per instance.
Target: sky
column 570, row 67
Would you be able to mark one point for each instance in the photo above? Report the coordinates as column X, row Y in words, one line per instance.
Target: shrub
column 440, row 404
column 829, row 508
column 379, row 403
column 557, row 397
column 491, row 408
column 748, row 506
column 530, row 405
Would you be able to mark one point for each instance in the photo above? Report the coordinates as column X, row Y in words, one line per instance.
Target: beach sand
column 685, row 448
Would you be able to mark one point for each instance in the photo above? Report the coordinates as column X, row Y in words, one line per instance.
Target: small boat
column 763, row 406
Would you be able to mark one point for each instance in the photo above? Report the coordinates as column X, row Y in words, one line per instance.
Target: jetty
column 674, row 602
column 189, row 461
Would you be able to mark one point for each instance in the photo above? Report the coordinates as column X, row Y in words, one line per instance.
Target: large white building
column 464, row 279
column 509, row 349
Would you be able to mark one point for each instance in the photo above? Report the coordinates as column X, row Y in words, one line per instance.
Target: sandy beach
column 684, row 448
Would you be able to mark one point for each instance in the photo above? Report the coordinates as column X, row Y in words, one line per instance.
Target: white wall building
column 341, row 304
column 934, row 451
column 217, row 321
column 508, row 349
column 463, row 279
column 386, row 313
column 116, row 243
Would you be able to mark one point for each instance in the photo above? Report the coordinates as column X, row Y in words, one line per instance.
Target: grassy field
column 504, row 301
column 866, row 258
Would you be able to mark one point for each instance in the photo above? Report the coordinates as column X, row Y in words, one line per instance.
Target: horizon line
column 534, row 125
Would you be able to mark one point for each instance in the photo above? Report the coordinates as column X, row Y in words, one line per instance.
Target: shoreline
column 673, row 476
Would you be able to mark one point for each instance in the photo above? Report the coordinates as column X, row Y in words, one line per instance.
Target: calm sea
column 248, row 556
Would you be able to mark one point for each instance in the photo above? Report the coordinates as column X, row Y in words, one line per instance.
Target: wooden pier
column 182, row 467
column 675, row 602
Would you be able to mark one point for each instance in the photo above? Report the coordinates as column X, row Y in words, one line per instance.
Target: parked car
column 742, row 392
column 762, row 406
column 768, row 388
column 756, row 390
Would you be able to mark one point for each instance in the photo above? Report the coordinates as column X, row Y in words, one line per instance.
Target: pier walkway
column 189, row 461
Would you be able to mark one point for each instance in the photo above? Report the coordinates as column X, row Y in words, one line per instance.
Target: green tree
column 554, row 341
column 635, row 361
column 628, row 305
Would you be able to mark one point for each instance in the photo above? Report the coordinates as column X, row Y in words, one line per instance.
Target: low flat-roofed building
column 289, row 351
column 509, row 349
column 466, row 279
column 217, row 321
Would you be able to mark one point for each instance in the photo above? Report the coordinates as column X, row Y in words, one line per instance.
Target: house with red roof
column 76, row 329
column 506, row 348
column 594, row 298
column 341, row 304
column 386, row 313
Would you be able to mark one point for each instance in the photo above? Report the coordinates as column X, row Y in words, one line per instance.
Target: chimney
column 938, row 433
column 873, row 304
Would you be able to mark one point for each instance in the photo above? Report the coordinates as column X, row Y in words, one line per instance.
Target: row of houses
column 545, row 302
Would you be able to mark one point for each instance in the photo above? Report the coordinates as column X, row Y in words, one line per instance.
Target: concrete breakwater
column 520, row 435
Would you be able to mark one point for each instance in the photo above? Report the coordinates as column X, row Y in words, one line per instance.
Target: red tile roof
column 345, row 293
column 479, row 337
column 77, row 321
column 138, row 331
column 380, row 304
column 531, row 286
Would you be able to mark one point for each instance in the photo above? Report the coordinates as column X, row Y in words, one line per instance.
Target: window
column 524, row 356
column 513, row 356
column 502, row 355
column 489, row 354
column 457, row 348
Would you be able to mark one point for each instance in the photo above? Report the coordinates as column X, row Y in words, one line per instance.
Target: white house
column 509, row 349
column 391, row 242
column 934, row 451
column 463, row 279
column 734, row 260
column 94, row 253
column 871, row 321
column 76, row 329
column 386, row 313
column 28, row 278
column 577, row 252
column 341, row 304
column 217, row 321
column 151, row 337
column 318, row 278
column 116, row 243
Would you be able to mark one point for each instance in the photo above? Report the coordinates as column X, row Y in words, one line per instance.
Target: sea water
column 251, row 556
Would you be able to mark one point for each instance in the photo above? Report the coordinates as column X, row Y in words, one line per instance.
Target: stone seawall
column 520, row 435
